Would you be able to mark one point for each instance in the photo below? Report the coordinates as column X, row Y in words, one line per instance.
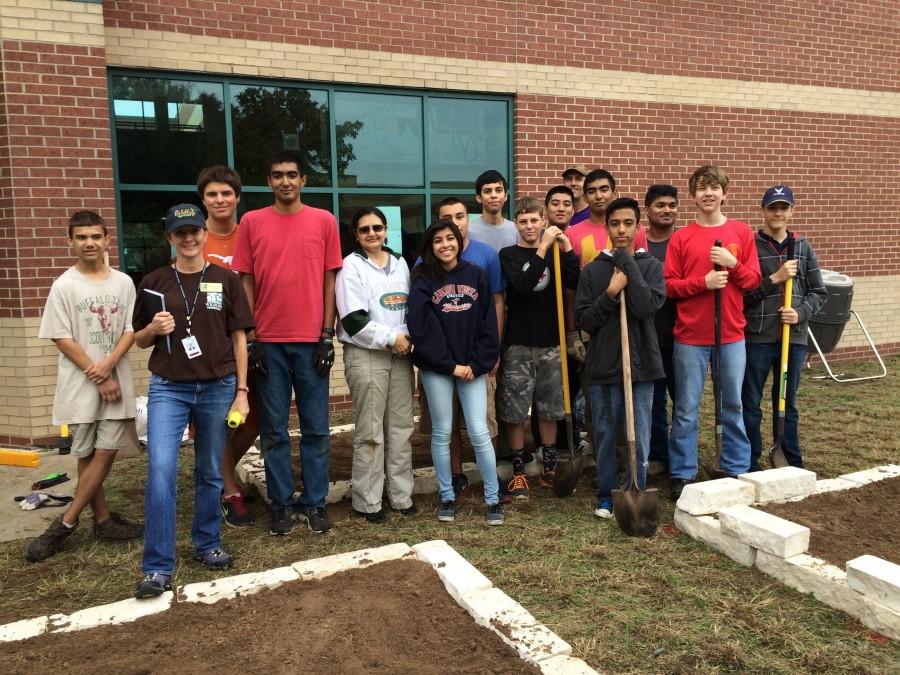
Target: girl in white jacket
column 372, row 290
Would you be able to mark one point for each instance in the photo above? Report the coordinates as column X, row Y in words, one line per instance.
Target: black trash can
column 827, row 325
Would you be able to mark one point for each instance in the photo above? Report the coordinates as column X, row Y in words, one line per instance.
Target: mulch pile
column 394, row 617
column 849, row 523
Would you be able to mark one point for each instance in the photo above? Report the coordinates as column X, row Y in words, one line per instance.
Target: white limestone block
column 711, row 496
column 319, row 568
column 24, row 629
column 111, row 614
column 459, row 576
column 708, row 530
column 565, row 665
column 495, row 610
column 226, row 588
column 873, row 475
column 337, row 491
column 829, row 585
column 877, row 579
column 823, row 486
column 783, row 483
column 764, row 531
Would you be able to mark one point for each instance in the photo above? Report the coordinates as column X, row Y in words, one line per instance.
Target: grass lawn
column 667, row 604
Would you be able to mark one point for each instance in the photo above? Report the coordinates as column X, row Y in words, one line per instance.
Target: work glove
column 574, row 346
column 323, row 356
column 256, row 359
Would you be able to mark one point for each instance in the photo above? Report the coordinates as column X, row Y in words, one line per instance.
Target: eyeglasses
column 365, row 229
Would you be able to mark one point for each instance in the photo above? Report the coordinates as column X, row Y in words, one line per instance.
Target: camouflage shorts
column 526, row 373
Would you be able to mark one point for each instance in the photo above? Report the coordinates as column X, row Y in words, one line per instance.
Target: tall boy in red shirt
column 692, row 278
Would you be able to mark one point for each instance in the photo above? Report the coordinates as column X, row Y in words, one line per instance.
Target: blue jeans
column 663, row 390
column 608, row 414
column 761, row 360
column 473, row 400
column 690, row 362
column 290, row 368
column 170, row 406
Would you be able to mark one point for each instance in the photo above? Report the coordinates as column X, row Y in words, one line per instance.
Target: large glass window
column 398, row 149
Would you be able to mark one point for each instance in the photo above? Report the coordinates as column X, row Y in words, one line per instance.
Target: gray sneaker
column 282, row 523
column 50, row 542
column 316, row 519
column 214, row 559
column 153, row 585
column 446, row 512
column 494, row 514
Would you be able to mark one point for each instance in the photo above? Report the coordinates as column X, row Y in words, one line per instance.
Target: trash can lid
column 832, row 278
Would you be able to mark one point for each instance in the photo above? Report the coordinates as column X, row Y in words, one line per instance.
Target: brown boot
column 50, row 542
column 118, row 528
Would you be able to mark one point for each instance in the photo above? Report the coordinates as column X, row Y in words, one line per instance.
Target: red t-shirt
column 686, row 266
column 589, row 239
column 288, row 256
column 219, row 248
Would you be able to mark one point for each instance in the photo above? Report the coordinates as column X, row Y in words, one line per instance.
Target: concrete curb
column 754, row 538
column 488, row 606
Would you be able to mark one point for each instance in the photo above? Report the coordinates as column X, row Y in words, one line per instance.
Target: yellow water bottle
column 64, row 442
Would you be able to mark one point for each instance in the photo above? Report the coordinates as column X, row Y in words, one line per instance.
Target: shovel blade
column 636, row 511
column 777, row 456
column 567, row 475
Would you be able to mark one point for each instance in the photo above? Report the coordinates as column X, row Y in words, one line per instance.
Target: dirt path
column 395, row 617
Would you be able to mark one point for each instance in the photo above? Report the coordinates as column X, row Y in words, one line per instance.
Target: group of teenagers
column 247, row 313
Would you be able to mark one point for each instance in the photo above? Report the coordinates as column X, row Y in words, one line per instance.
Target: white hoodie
column 371, row 301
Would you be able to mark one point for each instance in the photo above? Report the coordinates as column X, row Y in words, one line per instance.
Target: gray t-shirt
column 94, row 314
column 495, row 236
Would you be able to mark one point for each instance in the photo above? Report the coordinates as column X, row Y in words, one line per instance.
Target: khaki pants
column 381, row 384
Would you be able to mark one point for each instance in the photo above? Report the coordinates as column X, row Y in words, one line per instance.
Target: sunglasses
column 365, row 229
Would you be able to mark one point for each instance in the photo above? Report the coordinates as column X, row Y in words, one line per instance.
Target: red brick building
column 114, row 106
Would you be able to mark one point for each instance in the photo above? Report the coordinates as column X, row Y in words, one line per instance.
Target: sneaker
column 153, row 585
column 118, row 528
column 282, row 522
column 50, row 542
column 494, row 514
column 214, row 558
column 604, row 509
column 316, row 519
column 376, row 518
column 234, row 511
column 677, row 486
column 461, row 487
column 518, row 486
column 409, row 511
column 446, row 512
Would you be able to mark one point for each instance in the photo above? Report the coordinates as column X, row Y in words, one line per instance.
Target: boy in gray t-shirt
column 88, row 317
column 491, row 228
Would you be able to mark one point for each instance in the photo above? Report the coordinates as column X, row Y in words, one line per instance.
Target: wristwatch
column 328, row 331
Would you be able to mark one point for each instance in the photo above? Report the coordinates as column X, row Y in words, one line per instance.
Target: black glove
column 622, row 258
column 256, row 359
column 323, row 357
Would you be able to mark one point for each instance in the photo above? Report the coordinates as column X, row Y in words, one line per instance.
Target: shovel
column 715, row 471
column 568, row 472
column 636, row 510
column 776, row 452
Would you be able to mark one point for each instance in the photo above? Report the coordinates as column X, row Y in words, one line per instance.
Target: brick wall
column 796, row 41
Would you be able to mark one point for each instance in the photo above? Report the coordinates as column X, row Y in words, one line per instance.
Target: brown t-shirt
column 221, row 308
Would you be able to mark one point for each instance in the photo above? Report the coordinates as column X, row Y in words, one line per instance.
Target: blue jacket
column 452, row 321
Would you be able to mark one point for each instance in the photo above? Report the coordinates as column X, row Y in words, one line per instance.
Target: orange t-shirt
column 219, row 249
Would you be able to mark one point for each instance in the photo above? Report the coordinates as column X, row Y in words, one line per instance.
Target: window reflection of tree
column 266, row 119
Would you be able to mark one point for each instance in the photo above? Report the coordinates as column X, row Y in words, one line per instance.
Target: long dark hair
column 431, row 267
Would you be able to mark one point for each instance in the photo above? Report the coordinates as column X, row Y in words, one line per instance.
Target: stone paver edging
column 719, row 514
column 488, row 606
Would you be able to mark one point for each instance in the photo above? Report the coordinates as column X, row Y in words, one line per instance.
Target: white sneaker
column 604, row 510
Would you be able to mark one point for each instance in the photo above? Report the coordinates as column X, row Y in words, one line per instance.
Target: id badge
column 191, row 348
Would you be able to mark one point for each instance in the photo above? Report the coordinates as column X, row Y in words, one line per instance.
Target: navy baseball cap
column 184, row 215
column 778, row 193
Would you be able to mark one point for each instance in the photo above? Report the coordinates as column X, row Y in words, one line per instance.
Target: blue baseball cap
column 184, row 215
column 778, row 193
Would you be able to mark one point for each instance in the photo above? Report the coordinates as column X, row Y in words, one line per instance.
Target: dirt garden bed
column 393, row 617
column 845, row 524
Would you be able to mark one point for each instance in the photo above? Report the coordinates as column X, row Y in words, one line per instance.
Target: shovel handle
column 626, row 387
